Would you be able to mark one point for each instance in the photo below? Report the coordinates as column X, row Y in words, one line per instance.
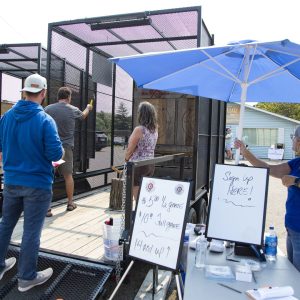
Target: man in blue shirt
column 29, row 142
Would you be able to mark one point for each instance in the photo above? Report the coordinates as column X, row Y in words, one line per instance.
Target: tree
column 103, row 121
column 290, row 110
column 122, row 118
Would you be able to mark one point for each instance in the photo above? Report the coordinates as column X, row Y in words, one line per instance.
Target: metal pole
column 128, row 203
column 178, row 287
column 153, row 283
column 121, row 280
column 113, row 97
column 244, row 87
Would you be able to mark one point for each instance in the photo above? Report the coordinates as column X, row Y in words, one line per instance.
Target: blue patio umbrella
column 238, row 72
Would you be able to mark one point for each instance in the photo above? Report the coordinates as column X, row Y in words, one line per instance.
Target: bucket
column 111, row 236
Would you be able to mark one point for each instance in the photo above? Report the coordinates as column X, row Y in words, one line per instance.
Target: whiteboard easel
column 237, row 207
column 159, row 225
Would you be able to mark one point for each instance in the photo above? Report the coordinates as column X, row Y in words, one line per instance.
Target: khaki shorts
column 67, row 167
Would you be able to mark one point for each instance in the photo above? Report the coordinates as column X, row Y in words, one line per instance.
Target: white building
column 263, row 130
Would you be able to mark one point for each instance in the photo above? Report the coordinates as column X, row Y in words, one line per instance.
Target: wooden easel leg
column 121, row 280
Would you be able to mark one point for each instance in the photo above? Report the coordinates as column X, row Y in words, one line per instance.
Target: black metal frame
column 24, row 59
column 114, row 19
column 83, row 272
column 15, row 71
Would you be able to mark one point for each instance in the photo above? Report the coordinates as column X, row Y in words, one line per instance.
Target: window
column 260, row 136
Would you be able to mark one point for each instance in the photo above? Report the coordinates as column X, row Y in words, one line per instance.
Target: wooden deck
column 77, row 232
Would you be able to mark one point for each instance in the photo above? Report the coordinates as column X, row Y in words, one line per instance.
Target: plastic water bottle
column 201, row 249
column 271, row 244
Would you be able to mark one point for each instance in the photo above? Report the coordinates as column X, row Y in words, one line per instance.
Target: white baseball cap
column 34, row 83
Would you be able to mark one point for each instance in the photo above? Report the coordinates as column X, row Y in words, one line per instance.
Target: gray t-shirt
column 65, row 115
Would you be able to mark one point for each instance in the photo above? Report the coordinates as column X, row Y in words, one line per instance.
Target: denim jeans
column 35, row 203
column 293, row 247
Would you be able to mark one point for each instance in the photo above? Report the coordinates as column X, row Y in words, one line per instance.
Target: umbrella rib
column 233, row 77
column 282, row 52
column 222, row 74
column 251, row 62
column 275, row 72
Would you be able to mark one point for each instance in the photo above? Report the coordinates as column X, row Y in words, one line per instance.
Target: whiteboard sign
column 237, row 205
column 160, row 221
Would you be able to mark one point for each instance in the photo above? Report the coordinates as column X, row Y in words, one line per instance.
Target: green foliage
column 122, row 118
column 290, row 110
column 103, row 122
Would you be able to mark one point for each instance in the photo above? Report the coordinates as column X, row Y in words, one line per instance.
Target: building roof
column 272, row 114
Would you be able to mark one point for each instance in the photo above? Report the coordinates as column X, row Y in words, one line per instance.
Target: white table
column 198, row 287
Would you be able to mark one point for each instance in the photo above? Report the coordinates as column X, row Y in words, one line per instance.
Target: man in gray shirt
column 65, row 116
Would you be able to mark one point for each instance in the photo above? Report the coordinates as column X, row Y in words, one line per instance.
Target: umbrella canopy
column 238, row 72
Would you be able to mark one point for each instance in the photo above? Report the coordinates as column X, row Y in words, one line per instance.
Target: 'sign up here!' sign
column 159, row 221
column 238, row 204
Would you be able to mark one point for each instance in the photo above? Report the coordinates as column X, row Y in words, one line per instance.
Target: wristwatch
column 297, row 182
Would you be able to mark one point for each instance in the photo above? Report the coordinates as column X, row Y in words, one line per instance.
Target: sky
column 229, row 20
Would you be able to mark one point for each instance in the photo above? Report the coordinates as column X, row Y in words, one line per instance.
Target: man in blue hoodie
column 29, row 142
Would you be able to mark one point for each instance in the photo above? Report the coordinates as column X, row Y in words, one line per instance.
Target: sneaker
column 9, row 263
column 41, row 277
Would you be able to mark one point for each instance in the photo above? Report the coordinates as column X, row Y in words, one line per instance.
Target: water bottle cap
column 271, row 227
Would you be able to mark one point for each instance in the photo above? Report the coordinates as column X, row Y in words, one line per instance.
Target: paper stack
column 272, row 293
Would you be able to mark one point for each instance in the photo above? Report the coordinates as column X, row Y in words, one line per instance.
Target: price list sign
column 160, row 221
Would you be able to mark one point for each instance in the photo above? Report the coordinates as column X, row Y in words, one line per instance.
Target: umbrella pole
column 244, row 88
column 241, row 122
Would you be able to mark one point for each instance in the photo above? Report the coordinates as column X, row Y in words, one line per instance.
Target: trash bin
column 111, row 236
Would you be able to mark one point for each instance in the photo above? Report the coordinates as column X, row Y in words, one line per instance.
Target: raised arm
column 277, row 171
column 87, row 110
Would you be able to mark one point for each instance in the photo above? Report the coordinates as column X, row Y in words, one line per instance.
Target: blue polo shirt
column 292, row 217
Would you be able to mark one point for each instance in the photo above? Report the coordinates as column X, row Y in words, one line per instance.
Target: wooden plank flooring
column 77, row 232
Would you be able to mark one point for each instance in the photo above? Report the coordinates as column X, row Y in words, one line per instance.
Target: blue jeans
column 35, row 203
column 293, row 247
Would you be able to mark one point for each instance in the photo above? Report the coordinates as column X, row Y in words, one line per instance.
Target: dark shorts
column 67, row 167
column 140, row 172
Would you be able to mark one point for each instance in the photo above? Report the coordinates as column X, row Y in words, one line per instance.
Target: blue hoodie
column 29, row 143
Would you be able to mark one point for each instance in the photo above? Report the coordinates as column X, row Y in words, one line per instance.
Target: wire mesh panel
column 43, row 62
column 86, row 44
column 20, row 60
column 122, row 115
